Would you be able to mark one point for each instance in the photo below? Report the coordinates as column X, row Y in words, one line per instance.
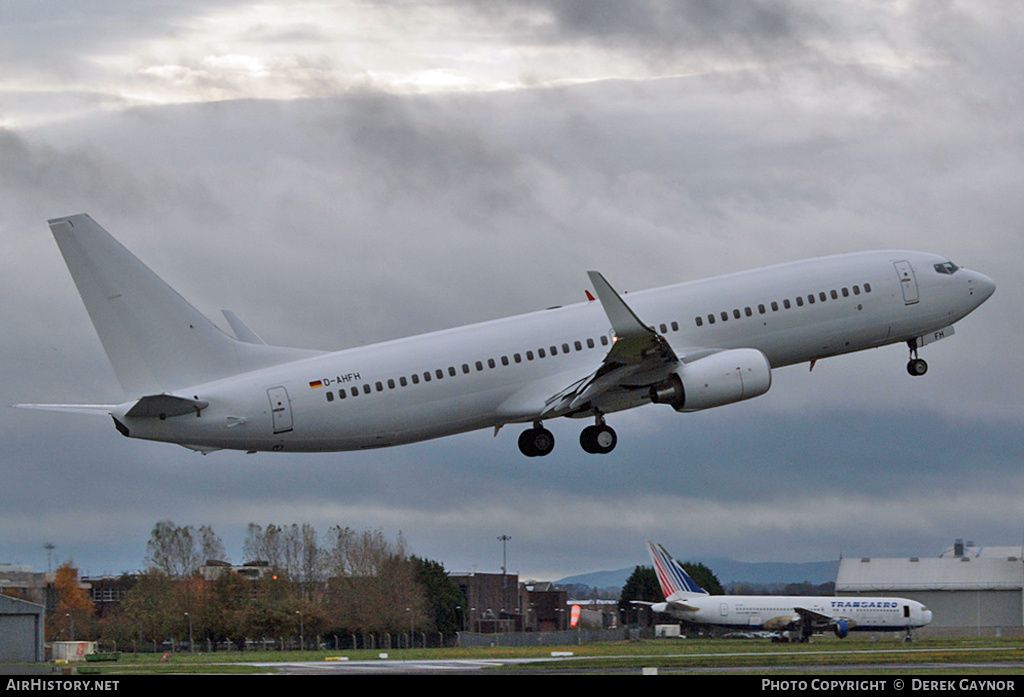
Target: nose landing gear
column 916, row 366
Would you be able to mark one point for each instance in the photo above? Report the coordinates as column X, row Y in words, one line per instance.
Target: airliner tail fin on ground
column 155, row 340
column 673, row 578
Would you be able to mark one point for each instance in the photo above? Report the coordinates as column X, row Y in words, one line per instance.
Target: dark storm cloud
column 367, row 215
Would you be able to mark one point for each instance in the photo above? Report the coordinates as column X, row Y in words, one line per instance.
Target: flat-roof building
column 968, row 588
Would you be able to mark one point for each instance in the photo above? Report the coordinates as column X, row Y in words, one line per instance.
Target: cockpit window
column 947, row 267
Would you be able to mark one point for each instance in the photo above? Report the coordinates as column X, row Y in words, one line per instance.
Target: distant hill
column 728, row 572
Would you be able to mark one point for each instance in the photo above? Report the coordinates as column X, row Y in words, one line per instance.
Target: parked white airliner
column 690, row 346
column 802, row 615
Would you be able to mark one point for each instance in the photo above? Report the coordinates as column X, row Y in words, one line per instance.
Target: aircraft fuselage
column 506, row 371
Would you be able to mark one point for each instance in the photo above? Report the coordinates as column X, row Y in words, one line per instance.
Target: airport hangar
column 971, row 590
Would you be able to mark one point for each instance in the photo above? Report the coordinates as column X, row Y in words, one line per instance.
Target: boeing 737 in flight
column 690, row 346
column 804, row 615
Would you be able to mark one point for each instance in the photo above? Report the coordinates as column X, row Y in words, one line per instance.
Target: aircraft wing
column 639, row 357
column 817, row 620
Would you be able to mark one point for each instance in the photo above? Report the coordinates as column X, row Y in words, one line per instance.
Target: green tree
column 443, row 598
column 147, row 612
column 642, row 585
column 704, row 577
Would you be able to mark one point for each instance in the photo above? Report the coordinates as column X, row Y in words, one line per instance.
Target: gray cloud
column 365, row 215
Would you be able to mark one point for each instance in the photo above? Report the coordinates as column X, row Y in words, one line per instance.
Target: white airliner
column 690, row 346
column 802, row 615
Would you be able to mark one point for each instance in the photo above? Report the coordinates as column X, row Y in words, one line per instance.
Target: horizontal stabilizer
column 165, row 405
column 95, row 409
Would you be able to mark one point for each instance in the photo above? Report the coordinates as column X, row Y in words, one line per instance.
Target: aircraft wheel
column 536, row 442
column 917, row 367
column 598, row 440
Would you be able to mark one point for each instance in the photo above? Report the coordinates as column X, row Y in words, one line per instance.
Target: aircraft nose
column 981, row 286
column 926, row 616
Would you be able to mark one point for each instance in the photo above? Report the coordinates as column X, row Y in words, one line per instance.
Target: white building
column 970, row 589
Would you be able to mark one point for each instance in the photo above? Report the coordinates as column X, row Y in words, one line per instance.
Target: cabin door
column 280, row 409
column 907, row 282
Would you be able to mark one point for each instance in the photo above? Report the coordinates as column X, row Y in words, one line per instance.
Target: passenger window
column 479, row 366
column 355, row 391
column 786, row 304
column 761, row 309
column 379, row 386
column 451, row 371
column 465, row 368
column 330, row 396
column 799, row 301
column 403, row 382
column 675, row 325
column 590, row 343
column 541, row 353
column 504, row 360
column 775, row 306
column 810, row 299
column 529, row 355
column 391, row 383
column 711, row 319
column 439, row 373
column 748, row 312
column 554, row 350
column 415, row 379
column 822, row 297
column 604, row 340
column 426, row 376
column 725, row 316
column 517, row 358
column 867, row 287
column 699, row 320
column 565, row 348
column 736, row 314
column 835, row 295
column 846, row 292
column 341, row 394
column 491, row 363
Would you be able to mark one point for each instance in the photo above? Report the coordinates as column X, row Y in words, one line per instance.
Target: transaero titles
column 868, row 685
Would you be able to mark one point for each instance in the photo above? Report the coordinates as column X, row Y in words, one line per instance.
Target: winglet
column 624, row 321
column 241, row 329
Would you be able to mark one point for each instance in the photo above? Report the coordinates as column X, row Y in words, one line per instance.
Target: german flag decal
column 315, row 384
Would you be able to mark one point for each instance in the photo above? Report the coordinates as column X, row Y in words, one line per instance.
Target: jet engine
column 721, row 378
column 841, row 629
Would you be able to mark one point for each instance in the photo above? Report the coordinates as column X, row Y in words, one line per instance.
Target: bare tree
column 173, row 550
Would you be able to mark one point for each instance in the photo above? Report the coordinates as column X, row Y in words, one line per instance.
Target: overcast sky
column 339, row 173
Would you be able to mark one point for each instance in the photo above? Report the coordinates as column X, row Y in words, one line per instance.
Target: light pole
column 191, row 645
column 302, row 638
column 504, row 580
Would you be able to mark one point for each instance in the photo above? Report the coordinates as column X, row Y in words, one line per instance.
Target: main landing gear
column 597, row 439
column 916, row 366
column 536, row 441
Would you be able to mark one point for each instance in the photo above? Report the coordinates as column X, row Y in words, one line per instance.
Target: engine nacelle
column 721, row 378
column 842, row 628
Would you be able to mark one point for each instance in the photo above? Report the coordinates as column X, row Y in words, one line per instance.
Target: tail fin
column 155, row 340
column 671, row 576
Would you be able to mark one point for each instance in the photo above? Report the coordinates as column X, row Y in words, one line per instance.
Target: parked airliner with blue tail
column 800, row 615
column 690, row 346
